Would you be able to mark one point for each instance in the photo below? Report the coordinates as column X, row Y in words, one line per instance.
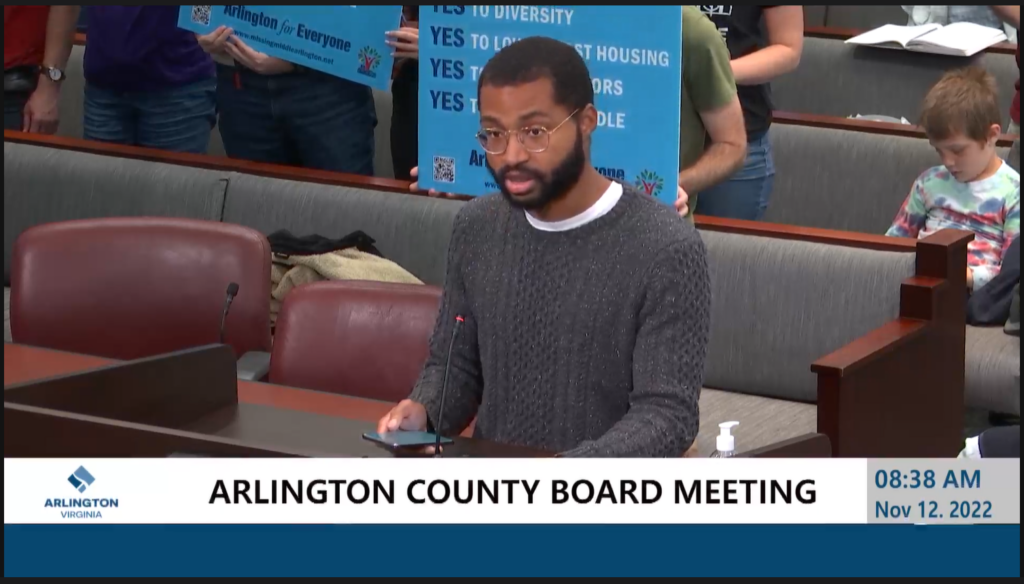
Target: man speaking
column 584, row 304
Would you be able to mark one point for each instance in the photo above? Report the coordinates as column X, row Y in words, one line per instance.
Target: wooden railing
column 295, row 173
column 866, row 126
column 210, row 162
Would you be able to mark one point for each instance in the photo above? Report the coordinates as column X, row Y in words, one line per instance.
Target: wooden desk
column 294, row 421
column 267, row 420
column 23, row 364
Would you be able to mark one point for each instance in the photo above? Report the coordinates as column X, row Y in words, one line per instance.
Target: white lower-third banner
column 517, row 491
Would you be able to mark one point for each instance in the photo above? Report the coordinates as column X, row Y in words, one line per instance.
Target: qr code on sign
column 444, row 169
column 201, row 15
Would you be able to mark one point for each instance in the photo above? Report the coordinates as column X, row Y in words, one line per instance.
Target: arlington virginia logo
column 81, row 508
column 650, row 183
column 81, row 479
column 369, row 60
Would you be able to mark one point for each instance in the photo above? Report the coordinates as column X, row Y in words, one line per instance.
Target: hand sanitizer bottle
column 726, row 441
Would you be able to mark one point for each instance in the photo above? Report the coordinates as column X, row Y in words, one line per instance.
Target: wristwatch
column 53, row 73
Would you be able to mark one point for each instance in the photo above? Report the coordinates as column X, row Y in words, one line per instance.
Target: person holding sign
column 148, row 83
column 764, row 43
column 405, row 93
column 712, row 139
column 583, row 304
column 274, row 111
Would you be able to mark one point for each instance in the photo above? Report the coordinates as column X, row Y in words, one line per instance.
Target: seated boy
column 974, row 189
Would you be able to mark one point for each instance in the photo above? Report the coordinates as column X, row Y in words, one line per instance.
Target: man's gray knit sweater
column 588, row 342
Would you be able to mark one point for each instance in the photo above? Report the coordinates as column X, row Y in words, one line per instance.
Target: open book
column 959, row 39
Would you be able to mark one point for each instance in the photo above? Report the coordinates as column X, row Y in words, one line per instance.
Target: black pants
column 990, row 306
column 405, row 119
column 1001, row 443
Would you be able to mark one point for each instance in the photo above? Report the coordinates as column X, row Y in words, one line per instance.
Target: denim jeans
column 305, row 118
column 746, row 194
column 14, row 105
column 178, row 120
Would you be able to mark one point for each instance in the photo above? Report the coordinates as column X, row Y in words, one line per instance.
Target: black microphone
column 444, row 386
column 228, row 299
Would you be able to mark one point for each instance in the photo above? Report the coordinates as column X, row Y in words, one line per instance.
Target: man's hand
column 407, row 415
column 41, row 114
column 256, row 61
column 405, row 42
column 415, row 186
column 970, row 279
column 682, row 202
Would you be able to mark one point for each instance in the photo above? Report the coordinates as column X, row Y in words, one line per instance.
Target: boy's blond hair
column 964, row 102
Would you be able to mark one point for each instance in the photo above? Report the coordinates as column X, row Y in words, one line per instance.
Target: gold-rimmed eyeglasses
column 535, row 139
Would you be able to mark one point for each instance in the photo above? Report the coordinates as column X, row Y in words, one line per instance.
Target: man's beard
column 549, row 188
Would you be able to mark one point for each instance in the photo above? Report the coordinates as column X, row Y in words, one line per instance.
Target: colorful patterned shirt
column 989, row 208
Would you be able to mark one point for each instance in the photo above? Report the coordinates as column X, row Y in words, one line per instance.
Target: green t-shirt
column 708, row 84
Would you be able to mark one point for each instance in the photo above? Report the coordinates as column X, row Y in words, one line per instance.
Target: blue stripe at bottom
column 500, row 550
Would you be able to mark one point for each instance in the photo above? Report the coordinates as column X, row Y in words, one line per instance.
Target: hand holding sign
column 405, row 41
column 344, row 41
column 216, row 41
column 254, row 60
column 415, row 186
column 682, row 202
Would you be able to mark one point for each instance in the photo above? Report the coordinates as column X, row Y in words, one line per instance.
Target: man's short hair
column 964, row 102
column 534, row 58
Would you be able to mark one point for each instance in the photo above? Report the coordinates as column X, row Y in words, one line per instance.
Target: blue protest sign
column 634, row 54
column 344, row 41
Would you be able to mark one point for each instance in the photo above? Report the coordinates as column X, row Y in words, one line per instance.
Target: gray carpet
column 7, row 315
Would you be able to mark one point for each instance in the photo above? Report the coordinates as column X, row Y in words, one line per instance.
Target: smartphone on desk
column 406, row 439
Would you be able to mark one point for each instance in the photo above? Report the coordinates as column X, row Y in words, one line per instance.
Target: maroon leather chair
column 365, row 339
column 128, row 288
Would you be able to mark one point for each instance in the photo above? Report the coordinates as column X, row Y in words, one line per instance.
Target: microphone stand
column 228, row 299
column 444, row 388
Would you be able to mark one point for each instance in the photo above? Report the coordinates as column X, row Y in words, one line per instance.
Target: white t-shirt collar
column 602, row 207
